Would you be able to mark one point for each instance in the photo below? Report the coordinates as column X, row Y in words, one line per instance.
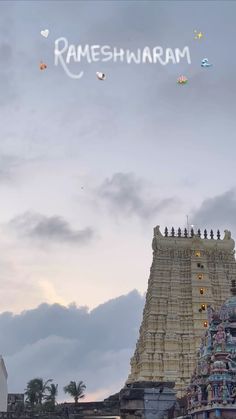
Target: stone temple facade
column 188, row 273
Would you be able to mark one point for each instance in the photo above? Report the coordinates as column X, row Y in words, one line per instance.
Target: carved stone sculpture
column 220, row 338
column 209, row 393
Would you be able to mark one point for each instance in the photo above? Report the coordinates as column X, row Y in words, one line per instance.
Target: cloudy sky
column 89, row 167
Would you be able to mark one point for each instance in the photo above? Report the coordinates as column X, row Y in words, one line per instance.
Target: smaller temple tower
column 212, row 391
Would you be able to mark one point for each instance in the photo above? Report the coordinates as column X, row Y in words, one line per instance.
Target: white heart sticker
column 45, row 33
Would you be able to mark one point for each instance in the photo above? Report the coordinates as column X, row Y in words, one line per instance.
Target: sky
column 89, row 167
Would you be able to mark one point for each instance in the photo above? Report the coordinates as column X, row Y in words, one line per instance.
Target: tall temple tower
column 188, row 273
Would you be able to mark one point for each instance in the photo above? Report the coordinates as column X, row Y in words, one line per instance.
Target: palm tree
column 30, row 393
column 50, row 398
column 35, row 391
column 75, row 390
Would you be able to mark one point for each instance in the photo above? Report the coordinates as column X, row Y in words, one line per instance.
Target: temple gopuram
column 212, row 391
column 190, row 270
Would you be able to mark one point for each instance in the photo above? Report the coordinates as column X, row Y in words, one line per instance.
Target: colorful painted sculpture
column 213, row 383
column 220, row 338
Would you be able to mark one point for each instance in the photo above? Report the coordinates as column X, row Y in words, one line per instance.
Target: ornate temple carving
column 212, row 389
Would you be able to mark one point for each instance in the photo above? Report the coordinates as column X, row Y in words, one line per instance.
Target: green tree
column 76, row 390
column 36, row 391
column 50, row 398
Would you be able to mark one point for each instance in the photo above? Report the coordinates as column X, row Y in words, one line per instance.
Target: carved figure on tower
column 220, row 338
column 216, row 369
column 224, row 392
column 199, row 395
column 233, row 394
column 209, row 393
column 224, row 313
column 229, row 337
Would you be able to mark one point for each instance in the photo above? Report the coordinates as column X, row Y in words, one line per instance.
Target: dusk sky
column 89, row 167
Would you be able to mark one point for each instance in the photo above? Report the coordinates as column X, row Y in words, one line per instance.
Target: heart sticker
column 45, row 33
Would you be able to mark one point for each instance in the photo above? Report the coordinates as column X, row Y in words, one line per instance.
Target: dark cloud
column 70, row 343
column 52, row 229
column 125, row 195
column 217, row 212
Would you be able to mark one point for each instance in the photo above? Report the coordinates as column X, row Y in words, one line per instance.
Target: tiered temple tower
column 188, row 273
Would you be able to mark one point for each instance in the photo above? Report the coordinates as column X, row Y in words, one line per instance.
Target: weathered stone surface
column 147, row 400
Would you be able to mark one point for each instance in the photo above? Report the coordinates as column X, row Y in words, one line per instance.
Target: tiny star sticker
column 198, row 35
